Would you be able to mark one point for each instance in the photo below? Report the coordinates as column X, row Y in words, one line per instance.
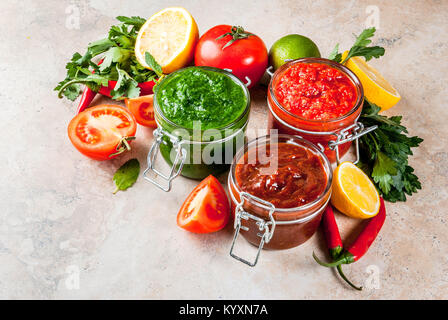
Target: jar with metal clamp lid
column 334, row 132
column 279, row 186
column 192, row 151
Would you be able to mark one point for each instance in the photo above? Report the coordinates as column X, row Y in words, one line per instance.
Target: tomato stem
column 237, row 33
column 123, row 146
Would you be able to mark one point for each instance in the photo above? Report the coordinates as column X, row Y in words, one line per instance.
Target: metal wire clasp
column 344, row 136
column 248, row 81
column 178, row 163
column 268, row 227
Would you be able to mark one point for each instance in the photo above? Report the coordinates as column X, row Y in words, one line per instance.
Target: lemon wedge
column 170, row 37
column 376, row 88
column 354, row 194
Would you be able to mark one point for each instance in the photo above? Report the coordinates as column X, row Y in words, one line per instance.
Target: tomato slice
column 98, row 131
column 206, row 208
column 143, row 110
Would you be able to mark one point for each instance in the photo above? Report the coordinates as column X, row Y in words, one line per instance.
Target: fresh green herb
column 127, row 86
column 385, row 152
column 152, row 63
column 126, row 175
column 118, row 64
column 360, row 48
column 335, row 55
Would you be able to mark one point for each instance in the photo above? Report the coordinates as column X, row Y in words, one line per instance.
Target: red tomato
column 102, row 131
column 206, row 209
column 143, row 110
column 246, row 57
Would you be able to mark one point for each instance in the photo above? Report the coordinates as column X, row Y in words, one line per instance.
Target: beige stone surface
column 58, row 215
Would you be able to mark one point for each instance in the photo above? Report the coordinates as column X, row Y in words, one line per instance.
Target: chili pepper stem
column 339, row 267
column 341, row 260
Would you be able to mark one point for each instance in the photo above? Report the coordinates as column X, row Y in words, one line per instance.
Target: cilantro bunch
column 385, row 151
column 118, row 63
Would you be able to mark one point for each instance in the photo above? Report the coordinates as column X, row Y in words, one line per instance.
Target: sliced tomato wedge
column 143, row 110
column 102, row 132
column 206, row 208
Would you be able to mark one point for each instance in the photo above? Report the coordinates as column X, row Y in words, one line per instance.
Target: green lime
column 292, row 46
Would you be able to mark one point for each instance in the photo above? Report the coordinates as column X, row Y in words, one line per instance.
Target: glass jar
column 259, row 221
column 334, row 135
column 194, row 153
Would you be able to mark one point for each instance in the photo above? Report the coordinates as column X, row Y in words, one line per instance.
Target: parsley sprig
column 118, row 63
column 385, row 152
column 360, row 48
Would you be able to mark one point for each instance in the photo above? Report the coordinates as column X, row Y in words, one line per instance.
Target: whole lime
column 292, row 46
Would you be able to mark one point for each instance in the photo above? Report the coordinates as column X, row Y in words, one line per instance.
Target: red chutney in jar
column 298, row 178
column 315, row 91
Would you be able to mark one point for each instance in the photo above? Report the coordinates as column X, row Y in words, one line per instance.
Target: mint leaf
column 152, row 63
column 126, row 175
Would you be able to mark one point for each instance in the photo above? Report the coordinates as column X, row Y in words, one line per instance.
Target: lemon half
column 170, row 37
column 354, row 194
column 376, row 88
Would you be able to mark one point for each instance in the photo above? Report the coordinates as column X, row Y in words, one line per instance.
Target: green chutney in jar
column 208, row 109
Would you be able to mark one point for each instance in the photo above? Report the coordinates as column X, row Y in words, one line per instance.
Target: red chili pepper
column 334, row 241
column 331, row 231
column 86, row 99
column 105, row 91
column 87, row 95
column 145, row 88
column 362, row 243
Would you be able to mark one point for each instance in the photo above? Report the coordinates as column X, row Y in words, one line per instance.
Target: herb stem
column 61, row 90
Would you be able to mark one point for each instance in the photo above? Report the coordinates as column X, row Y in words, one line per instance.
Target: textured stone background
column 58, row 215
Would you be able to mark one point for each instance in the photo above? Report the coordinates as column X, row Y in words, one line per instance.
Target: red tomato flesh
column 206, row 208
column 143, row 110
column 97, row 131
